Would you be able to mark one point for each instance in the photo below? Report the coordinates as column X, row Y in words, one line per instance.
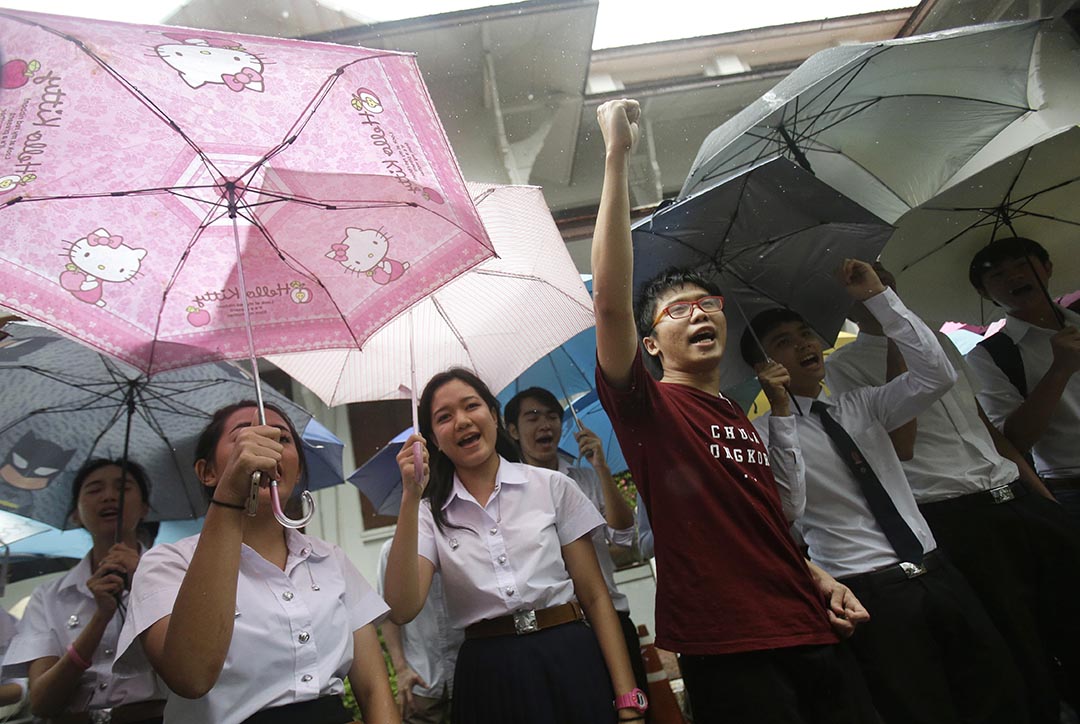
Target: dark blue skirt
column 554, row 676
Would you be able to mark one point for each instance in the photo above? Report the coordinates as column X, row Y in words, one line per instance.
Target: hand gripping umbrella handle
column 253, row 497
column 275, row 503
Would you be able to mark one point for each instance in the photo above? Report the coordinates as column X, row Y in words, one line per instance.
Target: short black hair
column 999, row 250
column 513, row 407
column 665, row 281
column 136, row 471
column 761, row 325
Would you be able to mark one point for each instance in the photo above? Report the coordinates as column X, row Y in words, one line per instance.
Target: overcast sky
column 619, row 22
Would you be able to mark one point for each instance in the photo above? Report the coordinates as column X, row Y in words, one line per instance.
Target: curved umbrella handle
column 275, row 503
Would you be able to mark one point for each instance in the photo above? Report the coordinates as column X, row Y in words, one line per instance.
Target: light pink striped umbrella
column 496, row 319
column 139, row 163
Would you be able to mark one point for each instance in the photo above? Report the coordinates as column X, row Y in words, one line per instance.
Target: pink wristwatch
column 634, row 699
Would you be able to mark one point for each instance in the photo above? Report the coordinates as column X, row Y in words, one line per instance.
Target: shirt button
column 103, row 685
column 305, row 678
column 287, row 595
column 108, row 652
column 502, row 559
column 304, row 637
column 510, row 591
column 494, row 529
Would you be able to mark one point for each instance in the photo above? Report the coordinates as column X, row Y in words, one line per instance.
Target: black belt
column 896, row 572
column 994, row 496
column 324, row 710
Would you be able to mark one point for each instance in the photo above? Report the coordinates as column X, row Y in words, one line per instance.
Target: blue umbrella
column 65, row 403
column 379, row 478
column 566, row 371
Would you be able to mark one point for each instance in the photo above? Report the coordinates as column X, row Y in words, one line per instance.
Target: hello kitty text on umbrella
column 177, row 196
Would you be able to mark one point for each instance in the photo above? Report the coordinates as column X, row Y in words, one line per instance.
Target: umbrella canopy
column 890, row 123
column 379, row 479
column 243, row 195
column 566, row 371
column 1032, row 194
column 64, row 404
column 497, row 319
column 772, row 236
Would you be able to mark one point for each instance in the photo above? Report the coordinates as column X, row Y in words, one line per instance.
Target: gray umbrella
column 773, row 236
column 65, row 403
column 890, row 123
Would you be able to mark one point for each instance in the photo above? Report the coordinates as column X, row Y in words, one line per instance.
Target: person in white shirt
column 929, row 652
column 513, row 545
column 250, row 621
column 68, row 634
column 534, row 420
column 423, row 653
column 990, row 514
column 1027, row 371
column 13, row 690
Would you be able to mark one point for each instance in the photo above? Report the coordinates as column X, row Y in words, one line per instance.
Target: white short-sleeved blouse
column 507, row 555
column 292, row 637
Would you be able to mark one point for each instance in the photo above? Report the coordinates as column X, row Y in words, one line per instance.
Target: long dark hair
column 211, row 435
column 442, row 469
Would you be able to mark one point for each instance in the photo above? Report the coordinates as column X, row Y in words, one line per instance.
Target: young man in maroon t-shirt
column 754, row 625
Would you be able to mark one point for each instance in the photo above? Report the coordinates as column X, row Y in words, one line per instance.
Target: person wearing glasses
column 755, row 626
column 534, row 420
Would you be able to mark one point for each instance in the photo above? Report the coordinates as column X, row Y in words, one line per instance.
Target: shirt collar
column 77, row 575
column 1016, row 328
column 508, row 473
column 303, row 546
column 804, row 403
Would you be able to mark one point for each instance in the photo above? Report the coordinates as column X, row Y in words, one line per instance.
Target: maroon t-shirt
column 729, row 577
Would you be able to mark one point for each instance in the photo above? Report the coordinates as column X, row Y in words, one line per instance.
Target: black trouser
column 633, row 646
column 930, row 654
column 324, row 710
column 798, row 685
column 1022, row 557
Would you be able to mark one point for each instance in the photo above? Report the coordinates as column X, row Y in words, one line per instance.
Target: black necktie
column 903, row 540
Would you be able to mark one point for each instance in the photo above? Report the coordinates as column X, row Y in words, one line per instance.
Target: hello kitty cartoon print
column 95, row 258
column 364, row 251
column 212, row 60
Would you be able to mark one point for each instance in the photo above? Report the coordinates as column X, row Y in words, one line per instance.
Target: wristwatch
column 634, row 699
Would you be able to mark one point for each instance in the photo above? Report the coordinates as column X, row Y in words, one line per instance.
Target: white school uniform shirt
column 508, row 555
column 1057, row 453
column 840, row 531
column 292, row 635
column 431, row 644
column 589, row 481
column 954, row 453
column 9, row 625
column 57, row 613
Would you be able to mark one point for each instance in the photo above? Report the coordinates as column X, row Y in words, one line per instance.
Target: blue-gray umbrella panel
column 65, row 403
column 772, row 236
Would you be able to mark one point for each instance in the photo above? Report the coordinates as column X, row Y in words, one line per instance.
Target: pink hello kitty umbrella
column 174, row 197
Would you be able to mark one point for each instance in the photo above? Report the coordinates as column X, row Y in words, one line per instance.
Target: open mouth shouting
column 109, row 512
column 469, row 441
column 810, row 360
column 703, row 337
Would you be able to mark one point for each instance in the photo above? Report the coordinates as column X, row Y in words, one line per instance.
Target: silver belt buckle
column 1003, row 494
column 525, row 622
column 100, row 716
column 911, row 570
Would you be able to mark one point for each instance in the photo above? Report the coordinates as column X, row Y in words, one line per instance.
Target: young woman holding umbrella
column 69, row 632
column 512, row 543
column 250, row 621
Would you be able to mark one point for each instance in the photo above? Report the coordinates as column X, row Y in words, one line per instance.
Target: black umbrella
column 772, row 236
